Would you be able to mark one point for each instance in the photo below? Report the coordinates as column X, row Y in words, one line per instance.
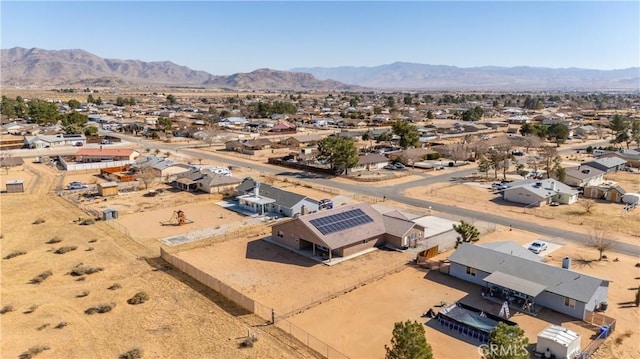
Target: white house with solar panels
column 345, row 231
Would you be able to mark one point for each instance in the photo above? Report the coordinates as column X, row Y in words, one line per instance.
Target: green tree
column 121, row 101
column 560, row 173
column 619, row 125
column 408, row 342
column 73, row 104
column 635, row 132
column 507, row 342
column 73, row 122
column 171, row 99
column 164, row 123
column 550, row 159
column 558, row 133
column 98, row 101
column 43, row 112
column 90, row 99
column 340, row 152
column 90, row 130
column 407, row 132
column 484, row 165
column 474, row 114
column 467, row 233
column 430, row 115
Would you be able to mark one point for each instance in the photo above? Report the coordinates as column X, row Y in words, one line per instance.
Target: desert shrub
column 63, row 250
column 81, row 270
column 115, row 286
column 43, row 326
column 87, row 222
column 102, row 308
column 39, row 221
column 638, row 265
column 132, row 354
column 31, row 309
column 14, row 254
column 93, row 240
column 53, row 240
column 83, row 294
column 6, row 309
column 33, row 351
column 41, row 277
column 88, row 249
column 138, row 298
column 623, row 336
column 61, row 325
column 248, row 342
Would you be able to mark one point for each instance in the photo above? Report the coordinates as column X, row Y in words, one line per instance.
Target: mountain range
column 26, row 67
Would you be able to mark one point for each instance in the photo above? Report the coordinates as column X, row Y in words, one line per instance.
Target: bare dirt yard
column 478, row 195
column 180, row 319
column 365, row 325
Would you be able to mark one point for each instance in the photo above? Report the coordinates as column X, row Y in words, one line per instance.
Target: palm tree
column 467, row 233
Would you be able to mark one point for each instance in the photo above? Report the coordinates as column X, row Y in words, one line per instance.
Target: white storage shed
column 559, row 341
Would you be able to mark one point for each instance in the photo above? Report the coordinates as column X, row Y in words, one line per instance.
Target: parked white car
column 538, row 246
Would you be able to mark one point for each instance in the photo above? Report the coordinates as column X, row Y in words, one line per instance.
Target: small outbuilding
column 559, row 341
column 15, row 186
column 109, row 214
column 108, row 189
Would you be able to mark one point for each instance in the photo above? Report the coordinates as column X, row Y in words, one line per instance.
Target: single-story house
column 539, row 192
column 341, row 231
column 6, row 162
column 205, row 181
column 631, row 156
column 162, row 168
column 370, row 162
column 609, row 191
column 44, row 141
column 248, row 146
column 400, row 232
column 586, row 131
column 583, row 176
column 232, row 121
column 296, row 142
column 105, row 154
column 607, row 164
column 283, row 127
column 261, row 198
column 520, row 279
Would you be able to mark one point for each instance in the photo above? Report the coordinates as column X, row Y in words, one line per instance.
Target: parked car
column 538, row 246
column 390, row 167
column 77, row 185
column 399, row 165
column 518, row 153
column 499, row 186
column 554, row 204
column 325, row 203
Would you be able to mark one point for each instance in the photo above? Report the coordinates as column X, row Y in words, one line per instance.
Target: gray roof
column 512, row 248
column 347, row 236
column 543, row 188
column 518, row 284
column 372, row 158
column 397, row 227
column 284, row 198
column 605, row 162
column 564, row 282
column 583, row 172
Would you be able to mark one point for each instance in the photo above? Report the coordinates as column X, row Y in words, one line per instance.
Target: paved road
column 395, row 193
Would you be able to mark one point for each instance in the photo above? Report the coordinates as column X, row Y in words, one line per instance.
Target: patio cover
column 514, row 283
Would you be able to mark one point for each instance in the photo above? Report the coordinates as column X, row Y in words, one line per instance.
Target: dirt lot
column 181, row 319
column 280, row 279
column 408, row 294
column 478, row 196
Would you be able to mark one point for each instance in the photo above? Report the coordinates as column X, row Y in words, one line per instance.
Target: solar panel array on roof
column 341, row 221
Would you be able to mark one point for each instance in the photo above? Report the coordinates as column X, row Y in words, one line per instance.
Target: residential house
column 400, row 232
column 631, row 156
column 338, row 232
column 583, row 176
column 609, row 191
column 46, row 141
column 162, row 168
column 586, row 131
column 105, row 154
column 517, row 278
column 283, row 128
column 299, row 141
column 233, row 122
column 370, row 162
column 607, row 164
column 262, row 199
column 205, row 181
column 248, row 146
column 539, row 192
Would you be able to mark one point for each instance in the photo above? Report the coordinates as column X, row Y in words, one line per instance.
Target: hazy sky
column 227, row 37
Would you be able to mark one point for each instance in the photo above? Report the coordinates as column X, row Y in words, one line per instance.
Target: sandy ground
column 366, row 325
column 181, row 319
column 287, row 286
column 478, row 196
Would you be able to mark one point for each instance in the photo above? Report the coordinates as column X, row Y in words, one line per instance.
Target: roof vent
column 586, row 171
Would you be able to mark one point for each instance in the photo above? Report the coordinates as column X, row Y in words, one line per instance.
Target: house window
column 280, row 234
column 568, row 302
column 471, row 271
